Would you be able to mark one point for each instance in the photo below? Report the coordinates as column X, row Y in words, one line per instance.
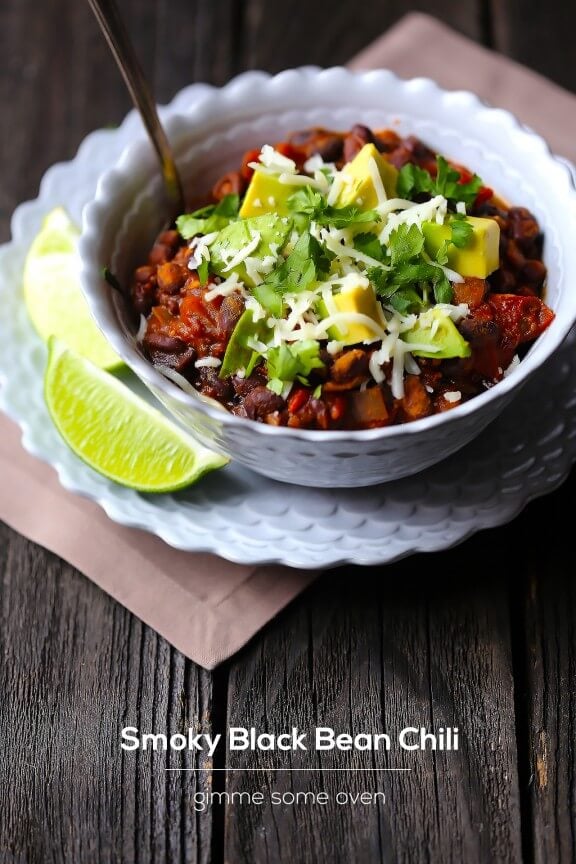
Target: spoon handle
column 114, row 30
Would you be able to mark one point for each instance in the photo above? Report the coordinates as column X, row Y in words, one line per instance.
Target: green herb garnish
column 307, row 261
column 405, row 286
column 314, row 205
column 414, row 181
column 369, row 244
column 293, row 362
column 214, row 217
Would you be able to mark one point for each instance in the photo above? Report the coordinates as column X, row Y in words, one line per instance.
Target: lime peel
column 115, row 432
column 52, row 292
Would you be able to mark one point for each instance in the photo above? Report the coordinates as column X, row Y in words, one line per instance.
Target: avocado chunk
column 356, row 297
column 480, row 257
column 359, row 189
column 436, row 329
column 266, row 194
column 238, row 354
column 273, row 231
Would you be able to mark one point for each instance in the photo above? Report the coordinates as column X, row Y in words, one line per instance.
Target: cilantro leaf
column 443, row 291
column 294, row 362
column 446, row 177
column 448, row 183
column 313, row 204
column 275, row 385
column 414, row 181
column 405, row 285
column 462, row 232
column 442, row 253
column 405, row 243
column 343, row 217
column 228, row 206
column 303, row 266
column 406, row 300
column 307, row 200
column 214, row 217
column 370, row 245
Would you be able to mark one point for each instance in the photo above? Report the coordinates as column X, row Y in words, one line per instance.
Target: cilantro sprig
column 293, row 362
column 414, row 181
column 214, row 217
column 303, row 266
column 412, row 276
column 314, row 205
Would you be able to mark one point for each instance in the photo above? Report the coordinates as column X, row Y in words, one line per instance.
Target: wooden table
column 481, row 637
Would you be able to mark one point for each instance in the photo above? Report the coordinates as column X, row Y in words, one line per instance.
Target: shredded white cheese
column 272, row 159
column 377, row 181
column 208, row 362
column 513, row 365
column 434, row 210
column 231, row 285
column 301, row 180
column 141, row 329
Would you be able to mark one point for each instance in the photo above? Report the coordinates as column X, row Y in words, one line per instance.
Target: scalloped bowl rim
column 134, row 152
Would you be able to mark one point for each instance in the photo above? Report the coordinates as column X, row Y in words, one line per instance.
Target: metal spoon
column 114, row 30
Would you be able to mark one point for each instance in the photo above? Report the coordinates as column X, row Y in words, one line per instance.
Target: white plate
column 246, row 518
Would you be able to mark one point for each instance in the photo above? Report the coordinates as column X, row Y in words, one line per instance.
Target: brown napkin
column 204, row 606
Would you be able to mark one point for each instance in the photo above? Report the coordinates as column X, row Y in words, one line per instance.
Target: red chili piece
column 521, row 319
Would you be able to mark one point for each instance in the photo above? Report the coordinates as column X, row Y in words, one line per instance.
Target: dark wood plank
column 300, row 32
column 59, row 82
column 76, row 668
column 414, row 644
column 548, row 706
column 539, row 34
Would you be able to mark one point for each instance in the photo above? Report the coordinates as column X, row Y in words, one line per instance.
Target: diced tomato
column 465, row 175
column 298, row 400
column 245, row 170
column 484, row 194
column 198, row 324
column 337, row 407
column 520, row 318
column 291, row 152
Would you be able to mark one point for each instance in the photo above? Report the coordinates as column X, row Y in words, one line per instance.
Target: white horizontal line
column 354, row 770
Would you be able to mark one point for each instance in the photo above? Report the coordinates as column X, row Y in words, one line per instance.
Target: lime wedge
column 116, row 432
column 53, row 295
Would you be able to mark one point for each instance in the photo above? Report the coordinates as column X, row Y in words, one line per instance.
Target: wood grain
column 538, row 34
column 300, row 32
column 76, row 668
column 378, row 651
column 548, row 685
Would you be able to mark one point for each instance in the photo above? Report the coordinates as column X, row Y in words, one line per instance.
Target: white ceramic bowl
column 120, row 224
